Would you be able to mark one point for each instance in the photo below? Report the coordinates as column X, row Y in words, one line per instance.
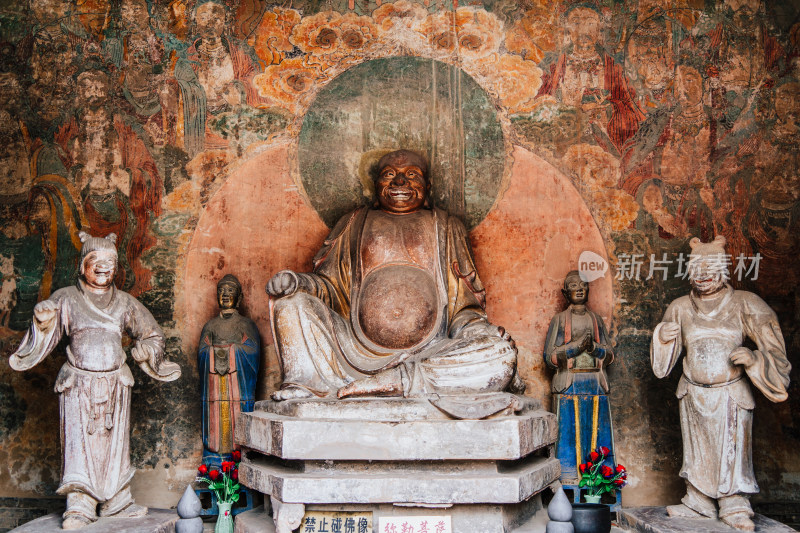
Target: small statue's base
column 155, row 521
column 656, row 520
column 398, row 457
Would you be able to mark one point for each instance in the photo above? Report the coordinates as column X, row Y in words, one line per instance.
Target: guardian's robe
column 94, row 384
column 716, row 402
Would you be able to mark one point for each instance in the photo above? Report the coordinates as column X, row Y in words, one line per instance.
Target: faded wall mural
column 218, row 136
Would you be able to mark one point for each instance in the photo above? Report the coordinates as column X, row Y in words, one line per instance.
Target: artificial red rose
column 582, row 468
column 621, row 468
column 619, row 482
column 214, row 474
column 605, row 451
column 226, row 466
column 607, row 471
column 236, row 456
column 235, row 475
column 203, row 470
column 594, row 456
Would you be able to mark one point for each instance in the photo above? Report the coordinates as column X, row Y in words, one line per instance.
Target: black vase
column 591, row 518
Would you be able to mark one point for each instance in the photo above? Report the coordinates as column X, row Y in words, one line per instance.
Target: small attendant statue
column 577, row 348
column 716, row 403
column 228, row 361
column 95, row 382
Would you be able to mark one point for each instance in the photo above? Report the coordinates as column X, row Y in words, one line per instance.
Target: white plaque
column 415, row 524
column 336, row 522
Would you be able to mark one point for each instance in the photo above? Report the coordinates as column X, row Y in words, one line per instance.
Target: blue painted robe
column 228, row 380
column 580, row 394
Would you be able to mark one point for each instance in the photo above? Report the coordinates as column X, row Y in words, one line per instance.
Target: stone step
column 400, row 437
column 156, row 521
column 392, row 484
column 656, row 520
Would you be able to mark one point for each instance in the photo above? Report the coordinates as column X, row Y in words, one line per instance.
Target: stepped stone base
column 395, row 457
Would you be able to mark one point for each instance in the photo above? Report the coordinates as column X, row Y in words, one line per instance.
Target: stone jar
column 591, row 518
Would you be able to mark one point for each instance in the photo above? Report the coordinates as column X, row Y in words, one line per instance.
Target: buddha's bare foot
column 739, row 520
column 291, row 393
column 682, row 511
column 386, row 383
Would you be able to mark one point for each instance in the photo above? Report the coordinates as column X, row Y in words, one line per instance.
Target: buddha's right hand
column 45, row 312
column 284, row 283
column 669, row 331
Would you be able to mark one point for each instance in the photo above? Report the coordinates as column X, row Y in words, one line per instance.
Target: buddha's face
column 576, row 291
column 401, row 186
column 227, row 296
column 99, row 268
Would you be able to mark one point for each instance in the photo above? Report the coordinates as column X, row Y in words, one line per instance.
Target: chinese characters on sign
column 336, row 522
column 415, row 524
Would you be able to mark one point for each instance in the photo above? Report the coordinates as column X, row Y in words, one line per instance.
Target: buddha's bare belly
column 398, row 306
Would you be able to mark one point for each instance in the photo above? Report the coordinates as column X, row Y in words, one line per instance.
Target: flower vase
column 592, row 498
column 225, row 518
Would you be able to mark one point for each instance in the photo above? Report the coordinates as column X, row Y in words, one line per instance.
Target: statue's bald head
column 400, row 158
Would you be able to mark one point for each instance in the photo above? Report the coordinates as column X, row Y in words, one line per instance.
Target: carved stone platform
column 656, row 520
column 156, row 521
column 397, row 457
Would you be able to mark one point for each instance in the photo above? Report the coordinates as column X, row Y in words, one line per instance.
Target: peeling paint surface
column 231, row 143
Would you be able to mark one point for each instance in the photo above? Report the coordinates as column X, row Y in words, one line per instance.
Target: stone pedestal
column 156, row 521
column 656, row 520
column 397, row 457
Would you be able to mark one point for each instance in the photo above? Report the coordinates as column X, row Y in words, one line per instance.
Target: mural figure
column 56, row 20
column 773, row 220
column 651, row 64
column 94, row 384
column 578, row 349
column 716, row 403
column 51, row 90
column 586, row 77
column 228, row 361
column 742, row 55
column 670, row 165
column 118, row 180
column 40, row 211
column 216, row 76
column 394, row 305
column 143, row 63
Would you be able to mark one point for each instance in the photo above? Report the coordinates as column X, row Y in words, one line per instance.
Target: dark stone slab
column 656, row 520
column 156, row 521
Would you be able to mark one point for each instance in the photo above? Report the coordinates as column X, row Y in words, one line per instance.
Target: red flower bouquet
column 598, row 478
column 224, row 482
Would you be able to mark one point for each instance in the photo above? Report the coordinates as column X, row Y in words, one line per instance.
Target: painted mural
column 671, row 119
